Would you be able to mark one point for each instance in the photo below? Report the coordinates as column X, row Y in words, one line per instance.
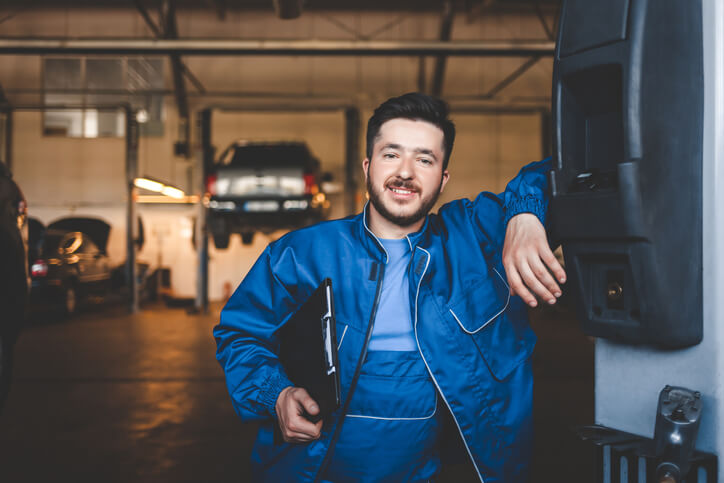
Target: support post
column 352, row 161
column 131, row 217
column 205, row 157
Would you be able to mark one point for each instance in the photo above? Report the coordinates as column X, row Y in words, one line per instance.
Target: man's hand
column 290, row 405
column 525, row 256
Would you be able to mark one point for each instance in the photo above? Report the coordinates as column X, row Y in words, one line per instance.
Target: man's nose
column 405, row 169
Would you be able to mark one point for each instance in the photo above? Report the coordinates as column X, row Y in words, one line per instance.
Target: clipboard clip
column 327, row 331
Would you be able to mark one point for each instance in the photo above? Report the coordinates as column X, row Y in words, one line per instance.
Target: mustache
column 402, row 183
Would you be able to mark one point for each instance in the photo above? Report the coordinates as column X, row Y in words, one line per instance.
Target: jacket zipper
column 417, row 340
column 353, row 384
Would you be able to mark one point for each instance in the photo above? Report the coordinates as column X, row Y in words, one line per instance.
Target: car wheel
column 247, row 237
column 70, row 300
column 221, row 240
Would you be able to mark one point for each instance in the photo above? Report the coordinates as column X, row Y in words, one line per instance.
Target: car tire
column 247, row 237
column 221, row 240
column 69, row 303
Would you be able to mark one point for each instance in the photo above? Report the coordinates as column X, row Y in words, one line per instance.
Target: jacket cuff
column 526, row 204
column 273, row 386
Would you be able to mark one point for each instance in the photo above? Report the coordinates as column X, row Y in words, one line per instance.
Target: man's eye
column 389, row 155
column 425, row 161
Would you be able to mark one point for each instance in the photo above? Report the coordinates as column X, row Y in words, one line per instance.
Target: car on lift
column 71, row 265
column 264, row 187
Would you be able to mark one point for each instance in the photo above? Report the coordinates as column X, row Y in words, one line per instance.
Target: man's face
column 405, row 175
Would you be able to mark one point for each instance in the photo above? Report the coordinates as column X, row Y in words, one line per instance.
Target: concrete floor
column 111, row 397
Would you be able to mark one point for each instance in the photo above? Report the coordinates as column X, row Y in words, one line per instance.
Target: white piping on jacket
column 364, row 222
column 507, row 302
column 475, row 465
column 344, row 332
column 397, row 419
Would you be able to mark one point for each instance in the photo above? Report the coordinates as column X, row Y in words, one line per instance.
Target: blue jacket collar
column 373, row 244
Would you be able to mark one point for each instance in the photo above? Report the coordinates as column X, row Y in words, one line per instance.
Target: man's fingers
column 295, row 437
column 535, row 285
column 291, row 404
column 517, row 286
column 541, row 273
column 298, row 424
column 308, row 403
column 550, row 259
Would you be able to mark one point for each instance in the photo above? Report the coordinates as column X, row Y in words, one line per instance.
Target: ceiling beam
column 170, row 31
column 158, row 32
column 168, row 14
column 381, row 48
column 446, row 23
column 510, row 78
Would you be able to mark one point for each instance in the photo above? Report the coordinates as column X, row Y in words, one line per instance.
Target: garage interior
column 95, row 95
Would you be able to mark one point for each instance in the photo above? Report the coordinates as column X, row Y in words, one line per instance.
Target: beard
column 399, row 219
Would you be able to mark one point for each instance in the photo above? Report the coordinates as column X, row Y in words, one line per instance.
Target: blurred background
column 156, row 148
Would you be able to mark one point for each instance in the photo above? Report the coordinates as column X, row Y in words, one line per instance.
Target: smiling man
column 431, row 319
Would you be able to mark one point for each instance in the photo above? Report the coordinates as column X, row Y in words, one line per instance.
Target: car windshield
column 270, row 156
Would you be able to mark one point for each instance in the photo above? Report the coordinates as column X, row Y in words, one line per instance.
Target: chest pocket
column 483, row 314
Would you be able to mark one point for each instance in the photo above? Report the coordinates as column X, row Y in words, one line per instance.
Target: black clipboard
column 308, row 350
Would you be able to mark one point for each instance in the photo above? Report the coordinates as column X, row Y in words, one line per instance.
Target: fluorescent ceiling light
column 148, row 184
column 158, row 187
column 172, row 192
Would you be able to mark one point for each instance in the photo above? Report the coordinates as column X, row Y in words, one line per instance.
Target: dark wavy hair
column 418, row 107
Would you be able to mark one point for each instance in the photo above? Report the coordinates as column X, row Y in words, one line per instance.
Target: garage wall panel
column 65, row 171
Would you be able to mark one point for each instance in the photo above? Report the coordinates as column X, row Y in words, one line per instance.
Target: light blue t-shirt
column 393, row 329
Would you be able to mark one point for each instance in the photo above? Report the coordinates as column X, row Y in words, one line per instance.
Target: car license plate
column 261, row 206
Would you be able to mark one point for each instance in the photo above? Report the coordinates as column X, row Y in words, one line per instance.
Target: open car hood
column 97, row 229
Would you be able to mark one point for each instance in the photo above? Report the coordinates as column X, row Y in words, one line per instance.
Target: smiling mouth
column 401, row 191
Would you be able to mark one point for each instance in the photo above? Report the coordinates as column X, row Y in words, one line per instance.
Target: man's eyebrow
column 398, row 147
column 392, row 146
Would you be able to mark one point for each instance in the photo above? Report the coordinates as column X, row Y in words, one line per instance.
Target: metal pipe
column 488, row 48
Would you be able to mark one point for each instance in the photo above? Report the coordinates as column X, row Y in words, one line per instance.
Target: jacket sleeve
column 526, row 193
column 246, row 345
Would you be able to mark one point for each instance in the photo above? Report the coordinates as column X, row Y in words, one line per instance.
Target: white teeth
column 400, row 191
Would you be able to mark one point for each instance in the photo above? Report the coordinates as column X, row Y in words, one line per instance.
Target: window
column 87, row 83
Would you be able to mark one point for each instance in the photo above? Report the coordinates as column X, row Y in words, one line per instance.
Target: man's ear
column 445, row 179
column 366, row 166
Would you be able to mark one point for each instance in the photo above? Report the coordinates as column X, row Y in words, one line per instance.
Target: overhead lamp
column 142, row 116
column 165, row 200
column 148, row 184
column 172, row 192
column 159, row 187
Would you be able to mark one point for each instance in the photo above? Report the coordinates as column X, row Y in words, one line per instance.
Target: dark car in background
column 71, row 265
column 264, row 187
